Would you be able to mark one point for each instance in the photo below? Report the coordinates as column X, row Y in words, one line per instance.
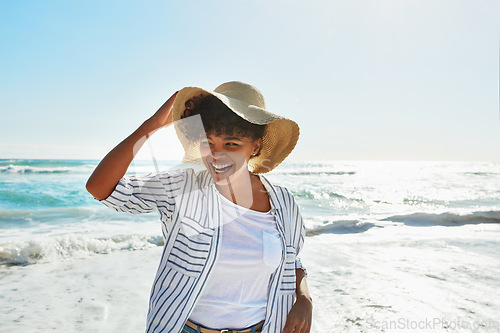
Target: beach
column 390, row 247
column 410, row 281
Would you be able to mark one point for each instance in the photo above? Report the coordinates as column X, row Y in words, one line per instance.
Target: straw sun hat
column 280, row 135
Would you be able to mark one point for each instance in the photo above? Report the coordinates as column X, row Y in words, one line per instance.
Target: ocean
column 391, row 246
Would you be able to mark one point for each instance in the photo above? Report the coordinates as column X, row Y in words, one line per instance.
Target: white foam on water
column 27, row 169
column 358, row 223
column 70, row 246
column 447, row 219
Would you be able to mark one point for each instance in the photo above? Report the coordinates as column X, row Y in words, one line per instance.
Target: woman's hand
column 163, row 116
column 300, row 316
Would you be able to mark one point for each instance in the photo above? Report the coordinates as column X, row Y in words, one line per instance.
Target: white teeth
column 222, row 166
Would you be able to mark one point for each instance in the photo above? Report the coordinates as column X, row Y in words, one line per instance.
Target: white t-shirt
column 236, row 292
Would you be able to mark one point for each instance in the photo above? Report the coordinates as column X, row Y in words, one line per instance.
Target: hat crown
column 242, row 91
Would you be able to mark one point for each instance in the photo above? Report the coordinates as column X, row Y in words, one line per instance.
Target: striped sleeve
column 300, row 231
column 143, row 194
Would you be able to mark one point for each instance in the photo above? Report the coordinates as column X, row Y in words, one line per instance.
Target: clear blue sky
column 365, row 79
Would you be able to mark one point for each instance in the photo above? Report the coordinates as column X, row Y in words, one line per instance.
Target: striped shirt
column 191, row 218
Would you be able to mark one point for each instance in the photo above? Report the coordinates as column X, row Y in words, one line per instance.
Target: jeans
column 188, row 329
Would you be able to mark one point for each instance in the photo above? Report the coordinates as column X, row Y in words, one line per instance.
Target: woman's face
column 227, row 155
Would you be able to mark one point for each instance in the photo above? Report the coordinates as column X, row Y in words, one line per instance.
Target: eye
column 234, row 144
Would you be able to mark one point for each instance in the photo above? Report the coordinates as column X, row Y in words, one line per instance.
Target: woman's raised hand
column 163, row 116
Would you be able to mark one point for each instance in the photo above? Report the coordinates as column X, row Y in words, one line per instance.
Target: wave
column 17, row 198
column 72, row 166
column 70, row 246
column 414, row 220
column 340, row 227
column 76, row 245
column 446, row 219
column 56, row 216
column 323, row 194
column 52, row 195
column 46, row 162
column 316, row 173
column 28, row 169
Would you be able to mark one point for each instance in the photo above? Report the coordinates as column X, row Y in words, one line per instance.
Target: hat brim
column 279, row 139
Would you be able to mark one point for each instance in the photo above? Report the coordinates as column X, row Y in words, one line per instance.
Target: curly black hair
column 218, row 119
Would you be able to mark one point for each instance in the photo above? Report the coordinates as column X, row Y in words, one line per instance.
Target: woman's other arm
column 300, row 316
column 114, row 165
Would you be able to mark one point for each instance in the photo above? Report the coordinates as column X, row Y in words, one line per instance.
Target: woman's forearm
column 301, row 288
column 300, row 316
column 114, row 165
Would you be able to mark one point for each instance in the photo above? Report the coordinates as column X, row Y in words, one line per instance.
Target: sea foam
column 70, row 246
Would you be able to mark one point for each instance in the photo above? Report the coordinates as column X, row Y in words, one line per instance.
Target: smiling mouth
column 221, row 168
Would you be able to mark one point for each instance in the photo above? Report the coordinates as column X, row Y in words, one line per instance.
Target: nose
column 218, row 155
column 222, row 154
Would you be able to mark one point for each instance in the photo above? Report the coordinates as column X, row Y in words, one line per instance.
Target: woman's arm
column 300, row 316
column 114, row 165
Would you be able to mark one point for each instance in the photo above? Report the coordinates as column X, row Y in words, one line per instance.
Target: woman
column 231, row 237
